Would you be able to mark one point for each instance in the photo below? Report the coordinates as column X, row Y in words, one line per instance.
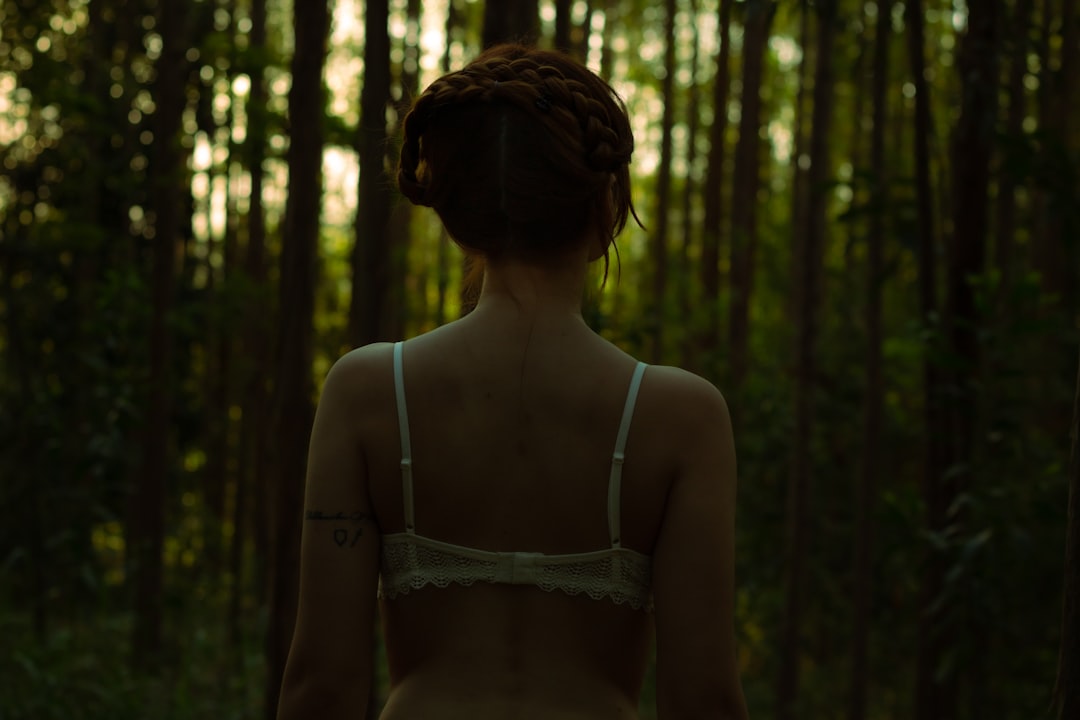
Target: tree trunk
column 1055, row 254
column 371, row 253
column 798, row 513
column 688, row 357
column 580, row 42
column 1004, row 237
column 973, row 145
column 866, row 491
column 930, row 646
column 611, row 18
column 714, row 188
column 1067, row 70
column 251, row 476
column 293, row 410
column 1068, row 90
column 28, row 492
column 1067, row 686
column 659, row 244
column 148, row 500
column 798, row 172
column 563, row 24
column 511, row 21
column 972, row 148
column 756, row 22
column 859, row 197
column 400, row 222
column 442, row 258
column 218, row 341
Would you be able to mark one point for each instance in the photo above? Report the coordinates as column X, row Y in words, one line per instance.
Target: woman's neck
column 535, row 291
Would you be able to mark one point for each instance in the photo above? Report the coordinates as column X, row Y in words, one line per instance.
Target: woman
column 529, row 502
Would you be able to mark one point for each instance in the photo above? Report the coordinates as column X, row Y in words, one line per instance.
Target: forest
column 860, row 221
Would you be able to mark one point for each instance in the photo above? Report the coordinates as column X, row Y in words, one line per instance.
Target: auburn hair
column 524, row 153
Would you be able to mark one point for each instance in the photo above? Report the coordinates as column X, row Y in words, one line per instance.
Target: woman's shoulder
column 359, row 362
column 686, row 405
column 673, row 396
column 684, row 390
column 361, row 373
column 683, row 384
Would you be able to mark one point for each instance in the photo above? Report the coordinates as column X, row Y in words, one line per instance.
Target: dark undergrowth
column 83, row 671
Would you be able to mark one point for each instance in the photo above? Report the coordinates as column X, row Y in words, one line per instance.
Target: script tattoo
column 348, row 526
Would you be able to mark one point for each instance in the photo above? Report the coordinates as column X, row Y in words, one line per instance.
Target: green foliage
column 80, row 672
column 57, row 679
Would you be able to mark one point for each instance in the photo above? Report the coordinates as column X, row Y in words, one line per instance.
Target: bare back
column 513, row 425
column 512, row 447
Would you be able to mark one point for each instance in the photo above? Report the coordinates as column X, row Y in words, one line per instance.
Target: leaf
column 974, row 544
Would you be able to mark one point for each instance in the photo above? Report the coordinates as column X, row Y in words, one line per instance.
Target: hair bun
column 522, row 147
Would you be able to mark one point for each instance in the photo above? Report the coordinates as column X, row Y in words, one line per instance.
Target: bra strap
column 406, row 445
column 615, row 484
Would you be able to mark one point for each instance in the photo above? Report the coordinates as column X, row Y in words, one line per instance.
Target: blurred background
column 862, row 223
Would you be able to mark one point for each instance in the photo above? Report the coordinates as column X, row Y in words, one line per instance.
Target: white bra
column 411, row 561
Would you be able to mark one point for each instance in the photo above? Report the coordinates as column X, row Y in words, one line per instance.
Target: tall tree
column 568, row 38
column 687, row 355
column 930, row 642
column 810, row 258
column 1069, row 129
column 798, row 151
column 1067, row 686
column 861, row 184
column 218, row 338
column 148, row 500
column 511, row 21
column 293, row 411
column 973, row 146
column 371, row 260
column 1067, row 71
column 564, row 22
column 580, row 39
column 757, row 19
column 252, row 463
column 973, row 143
column 607, row 55
column 399, row 228
column 871, row 467
column 659, row 242
column 927, row 249
column 442, row 259
column 1055, row 254
column 1012, row 160
column 714, row 184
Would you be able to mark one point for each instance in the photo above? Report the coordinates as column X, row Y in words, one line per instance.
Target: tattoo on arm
column 348, row 527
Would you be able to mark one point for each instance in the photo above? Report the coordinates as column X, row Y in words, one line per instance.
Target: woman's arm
column 694, row 563
column 328, row 673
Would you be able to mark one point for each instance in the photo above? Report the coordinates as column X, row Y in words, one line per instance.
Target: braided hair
column 523, row 153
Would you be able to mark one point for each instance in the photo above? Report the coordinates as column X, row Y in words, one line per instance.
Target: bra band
column 614, row 484
column 406, row 445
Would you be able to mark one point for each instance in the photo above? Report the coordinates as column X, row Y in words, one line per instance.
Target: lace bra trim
column 411, row 562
